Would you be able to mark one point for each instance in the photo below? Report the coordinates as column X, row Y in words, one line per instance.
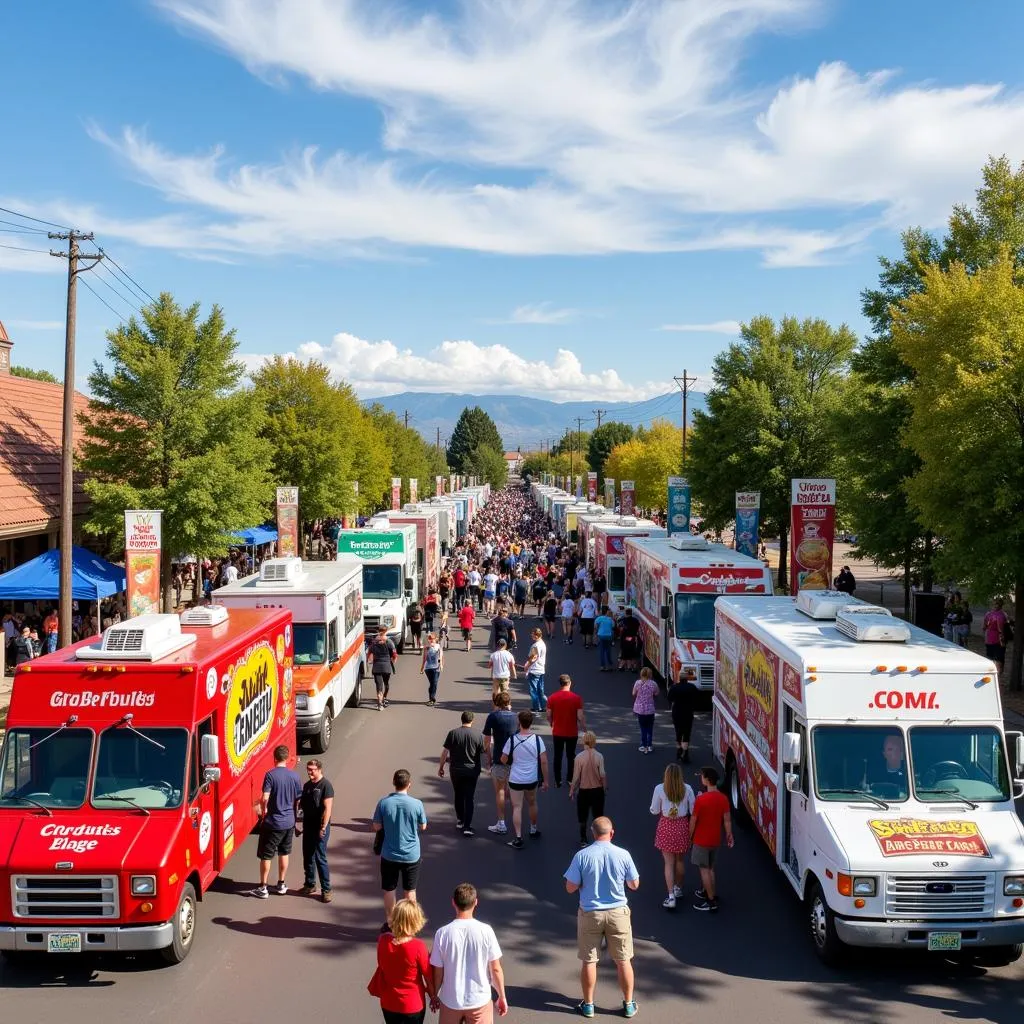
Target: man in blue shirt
column 282, row 789
column 604, row 628
column 601, row 873
column 401, row 818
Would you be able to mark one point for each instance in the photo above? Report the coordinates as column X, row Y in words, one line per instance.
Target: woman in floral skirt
column 673, row 802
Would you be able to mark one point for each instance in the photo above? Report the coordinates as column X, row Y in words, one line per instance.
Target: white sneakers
column 499, row 828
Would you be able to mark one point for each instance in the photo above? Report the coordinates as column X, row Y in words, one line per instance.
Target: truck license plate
column 943, row 941
column 64, row 942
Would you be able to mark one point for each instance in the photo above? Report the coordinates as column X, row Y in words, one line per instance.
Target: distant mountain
column 529, row 422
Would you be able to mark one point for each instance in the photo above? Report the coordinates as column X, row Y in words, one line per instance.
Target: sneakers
column 711, row 905
column 516, row 844
column 327, row 897
column 499, row 828
column 643, row 750
column 281, row 889
column 676, row 891
column 669, row 902
column 468, row 832
column 534, row 832
column 629, row 1009
column 585, row 1009
column 260, row 892
column 387, row 703
column 458, row 826
column 700, row 894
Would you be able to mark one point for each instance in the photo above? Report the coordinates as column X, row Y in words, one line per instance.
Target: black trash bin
column 928, row 609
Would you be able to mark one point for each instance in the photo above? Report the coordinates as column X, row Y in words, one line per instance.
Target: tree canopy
column 28, row 372
column 474, row 429
column 601, row 442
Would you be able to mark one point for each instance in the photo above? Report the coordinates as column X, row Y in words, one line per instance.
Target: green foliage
column 601, row 442
column 573, row 442
column 488, row 465
column 648, row 459
column 28, row 372
column 473, row 430
column 410, row 455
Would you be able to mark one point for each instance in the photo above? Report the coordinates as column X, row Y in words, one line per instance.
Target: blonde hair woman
column 403, row 978
column 588, row 784
column 431, row 665
column 673, row 802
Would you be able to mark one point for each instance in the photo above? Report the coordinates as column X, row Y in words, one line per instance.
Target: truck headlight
column 388, row 620
column 301, row 702
column 1013, row 885
column 865, row 886
column 143, row 885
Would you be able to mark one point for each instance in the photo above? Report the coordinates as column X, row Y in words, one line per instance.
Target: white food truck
column 870, row 755
column 326, row 602
column 608, row 549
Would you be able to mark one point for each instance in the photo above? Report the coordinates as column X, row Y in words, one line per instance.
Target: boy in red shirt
column 565, row 715
column 710, row 813
column 466, row 619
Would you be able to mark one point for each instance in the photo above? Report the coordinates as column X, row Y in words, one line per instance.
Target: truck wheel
column 357, row 692
column 184, row 923
column 822, row 922
column 998, row 956
column 732, row 783
column 322, row 740
column 401, row 644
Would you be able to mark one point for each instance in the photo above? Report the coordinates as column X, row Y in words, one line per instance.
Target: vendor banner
column 609, row 492
column 678, row 505
column 748, row 522
column 438, row 486
column 288, row 522
column 396, row 493
column 142, row 560
column 579, row 487
column 626, row 498
column 591, row 487
column 812, row 534
column 451, row 483
column 414, row 489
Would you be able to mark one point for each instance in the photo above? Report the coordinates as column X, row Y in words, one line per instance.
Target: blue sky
column 492, row 195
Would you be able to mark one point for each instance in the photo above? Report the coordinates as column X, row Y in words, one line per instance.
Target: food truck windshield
column 382, row 582
column 310, row 643
column 695, row 616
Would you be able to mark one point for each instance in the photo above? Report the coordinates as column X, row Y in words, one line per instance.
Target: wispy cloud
column 381, row 367
column 717, row 327
column 36, row 325
column 544, row 313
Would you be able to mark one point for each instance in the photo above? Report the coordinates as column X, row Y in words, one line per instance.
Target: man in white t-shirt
column 536, row 663
column 490, row 591
column 587, row 612
column 475, row 593
column 526, row 757
column 466, row 962
column 230, row 574
column 503, row 666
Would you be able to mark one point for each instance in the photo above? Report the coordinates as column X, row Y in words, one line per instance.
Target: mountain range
column 528, row 423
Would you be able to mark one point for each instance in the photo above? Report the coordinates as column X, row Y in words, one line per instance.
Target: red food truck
column 131, row 771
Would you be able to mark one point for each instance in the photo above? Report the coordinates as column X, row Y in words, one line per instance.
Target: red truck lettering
column 910, row 699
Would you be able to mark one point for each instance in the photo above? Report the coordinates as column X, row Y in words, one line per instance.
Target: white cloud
column 380, row 368
column 543, row 313
column 36, row 325
column 621, row 125
column 718, row 327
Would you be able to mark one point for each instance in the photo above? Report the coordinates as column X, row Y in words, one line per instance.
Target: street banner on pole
column 748, row 524
column 626, row 498
column 678, row 505
column 396, row 493
column 591, row 487
column 142, row 560
column 451, row 483
column 438, row 486
column 812, row 534
column 288, row 522
column 579, row 487
column 609, row 492
column 414, row 489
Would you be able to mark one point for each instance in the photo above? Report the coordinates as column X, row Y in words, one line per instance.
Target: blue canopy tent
column 92, row 578
column 254, row 536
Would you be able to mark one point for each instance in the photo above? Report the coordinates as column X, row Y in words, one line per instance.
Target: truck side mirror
column 408, row 584
column 792, row 782
column 791, row 748
column 1018, row 752
column 211, row 774
column 665, row 612
column 210, row 750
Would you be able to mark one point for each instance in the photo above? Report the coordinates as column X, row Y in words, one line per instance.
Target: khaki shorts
column 499, row 772
column 500, row 683
column 614, row 925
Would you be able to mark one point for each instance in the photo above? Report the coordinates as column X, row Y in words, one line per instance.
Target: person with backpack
column 525, row 755
column 383, row 656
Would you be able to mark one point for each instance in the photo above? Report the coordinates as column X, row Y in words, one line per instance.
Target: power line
column 125, row 273
column 126, row 299
column 21, row 248
column 38, row 220
column 85, row 284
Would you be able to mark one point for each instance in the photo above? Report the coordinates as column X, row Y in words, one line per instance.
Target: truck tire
column 822, row 924
column 184, row 927
column 401, row 643
column 732, row 788
column 322, row 740
column 357, row 692
column 997, row 956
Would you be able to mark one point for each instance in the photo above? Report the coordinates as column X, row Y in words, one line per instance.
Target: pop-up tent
column 92, row 578
column 254, row 536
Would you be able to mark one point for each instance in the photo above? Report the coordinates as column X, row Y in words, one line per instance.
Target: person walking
column 466, row 962
column 503, row 628
column 566, row 718
column 24, row 649
column 601, row 873
column 645, row 689
column 431, row 665
column 589, row 784
column 404, row 981
column 475, row 593
column 316, row 804
column 568, row 613
column 414, row 616
column 673, row 802
column 534, row 667
column 500, row 726
column 383, row 655
column 401, row 818
column 282, row 789
column 683, row 697
column 604, row 630
column 996, row 627
column 710, row 815
column 467, row 616
column 503, row 668
column 51, row 629
column 525, row 754
column 550, row 612
column 463, row 747
column 587, row 613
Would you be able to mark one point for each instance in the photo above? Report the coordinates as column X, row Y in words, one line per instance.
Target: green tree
column 473, row 429
column 411, row 456
column 769, row 419
column 602, row 440
column 169, row 428
column 30, row 374
column 488, row 464
column 963, row 336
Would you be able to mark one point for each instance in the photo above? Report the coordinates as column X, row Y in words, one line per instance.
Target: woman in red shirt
column 403, row 977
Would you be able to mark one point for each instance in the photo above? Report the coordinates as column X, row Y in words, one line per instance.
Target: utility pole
column 599, row 413
column 67, row 453
column 684, row 383
column 438, row 438
column 406, row 419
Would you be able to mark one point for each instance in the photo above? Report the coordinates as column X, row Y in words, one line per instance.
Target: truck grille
column 69, row 896
column 706, row 677
column 940, row 896
column 370, row 623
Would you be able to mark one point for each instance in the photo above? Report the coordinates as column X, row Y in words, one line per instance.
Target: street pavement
column 295, row 958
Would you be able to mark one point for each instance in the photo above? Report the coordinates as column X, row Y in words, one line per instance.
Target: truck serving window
column 143, row 767
column 695, row 616
column 43, row 766
column 962, row 761
column 860, row 760
column 617, row 578
column 310, row 643
column 382, row 582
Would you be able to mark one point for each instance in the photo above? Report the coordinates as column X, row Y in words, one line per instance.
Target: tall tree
column 169, row 428
column 473, row 429
column 602, row 440
column 489, row 465
column 648, row 459
column 768, row 419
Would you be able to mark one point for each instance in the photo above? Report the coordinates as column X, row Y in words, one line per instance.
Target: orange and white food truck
column 871, row 757
column 671, row 585
column 131, row 771
column 607, row 547
column 326, row 602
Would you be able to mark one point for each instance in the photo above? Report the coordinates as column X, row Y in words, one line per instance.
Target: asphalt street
column 294, row 958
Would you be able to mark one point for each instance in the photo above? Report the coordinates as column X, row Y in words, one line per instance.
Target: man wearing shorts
column 382, row 656
column 587, row 612
column 466, row 619
column 710, row 814
column 402, row 818
column 282, row 789
column 501, row 724
column 601, row 873
column 503, row 667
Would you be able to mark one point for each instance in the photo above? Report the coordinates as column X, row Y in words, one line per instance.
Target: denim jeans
column 604, row 651
column 646, row 730
column 538, row 698
column 314, row 856
column 51, row 643
column 432, row 675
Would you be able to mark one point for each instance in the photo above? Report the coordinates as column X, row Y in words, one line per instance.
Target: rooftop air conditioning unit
column 627, row 521
column 823, row 604
column 281, row 570
column 688, row 542
column 204, row 615
column 144, row 638
column 871, row 626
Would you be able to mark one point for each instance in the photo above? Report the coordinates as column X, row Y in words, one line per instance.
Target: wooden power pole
column 684, row 383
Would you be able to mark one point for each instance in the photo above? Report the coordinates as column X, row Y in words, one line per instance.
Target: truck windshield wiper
column 950, row 793
column 28, row 800
column 862, row 793
column 125, row 800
